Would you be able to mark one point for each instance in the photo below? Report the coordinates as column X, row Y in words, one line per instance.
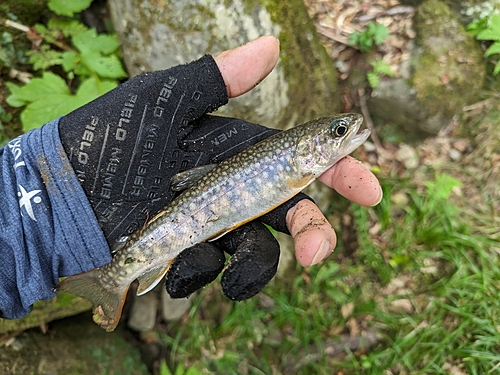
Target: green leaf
column 4, row 116
column 90, row 41
column 48, row 35
column 48, row 98
column 68, row 8
column 441, row 189
column 497, row 69
column 380, row 34
column 46, row 109
column 68, row 28
column 193, row 371
column 50, row 84
column 381, row 67
column 108, row 43
column 494, row 48
column 354, row 38
column 373, row 79
column 492, row 31
column 82, row 71
column 92, row 88
column 44, row 58
column 164, row 370
column 7, row 50
column 477, row 26
column 70, row 61
column 13, row 100
column 105, row 66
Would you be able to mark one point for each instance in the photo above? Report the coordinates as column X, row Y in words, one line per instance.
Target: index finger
column 350, row 178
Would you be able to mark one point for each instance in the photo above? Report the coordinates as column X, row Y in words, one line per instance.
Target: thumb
column 244, row 67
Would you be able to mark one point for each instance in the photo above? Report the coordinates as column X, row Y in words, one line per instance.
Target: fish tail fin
column 108, row 302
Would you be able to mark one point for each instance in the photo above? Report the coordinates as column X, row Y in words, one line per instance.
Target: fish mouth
column 358, row 138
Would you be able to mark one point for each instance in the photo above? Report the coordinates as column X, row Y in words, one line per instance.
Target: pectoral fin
column 119, row 244
column 150, row 279
column 299, row 183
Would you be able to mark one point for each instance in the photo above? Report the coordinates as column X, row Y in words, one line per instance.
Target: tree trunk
column 157, row 35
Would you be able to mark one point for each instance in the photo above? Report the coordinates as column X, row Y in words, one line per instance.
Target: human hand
column 110, row 144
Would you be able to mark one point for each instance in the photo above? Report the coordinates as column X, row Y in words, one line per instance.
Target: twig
column 368, row 119
column 479, row 105
column 17, row 26
column 33, row 35
column 394, row 11
column 330, row 33
column 23, row 77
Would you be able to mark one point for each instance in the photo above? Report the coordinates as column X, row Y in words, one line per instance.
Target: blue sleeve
column 47, row 227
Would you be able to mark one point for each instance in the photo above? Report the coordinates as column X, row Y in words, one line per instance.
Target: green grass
column 426, row 254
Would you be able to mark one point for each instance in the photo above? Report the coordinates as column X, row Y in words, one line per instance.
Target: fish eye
column 340, row 130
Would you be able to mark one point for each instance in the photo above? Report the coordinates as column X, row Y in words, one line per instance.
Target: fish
column 232, row 193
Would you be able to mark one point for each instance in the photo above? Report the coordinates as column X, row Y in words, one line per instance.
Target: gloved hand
column 125, row 147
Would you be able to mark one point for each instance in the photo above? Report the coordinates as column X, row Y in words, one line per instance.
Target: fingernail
column 323, row 251
column 381, row 195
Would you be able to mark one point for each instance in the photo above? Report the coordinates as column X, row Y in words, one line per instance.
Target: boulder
column 446, row 71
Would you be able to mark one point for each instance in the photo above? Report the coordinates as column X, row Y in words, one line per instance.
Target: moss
column 61, row 306
column 451, row 68
column 74, row 346
column 309, row 70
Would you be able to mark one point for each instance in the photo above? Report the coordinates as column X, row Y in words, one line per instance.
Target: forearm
column 47, row 227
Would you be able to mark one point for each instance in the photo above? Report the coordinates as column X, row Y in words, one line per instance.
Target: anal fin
column 151, row 278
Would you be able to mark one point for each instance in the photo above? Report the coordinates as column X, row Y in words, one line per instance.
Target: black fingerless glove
column 125, row 147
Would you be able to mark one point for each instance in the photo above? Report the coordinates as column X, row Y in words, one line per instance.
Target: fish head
column 327, row 140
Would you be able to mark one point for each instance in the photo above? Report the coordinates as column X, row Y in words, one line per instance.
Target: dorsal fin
column 189, row 177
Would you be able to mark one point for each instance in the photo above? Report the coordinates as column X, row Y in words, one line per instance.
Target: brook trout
column 235, row 192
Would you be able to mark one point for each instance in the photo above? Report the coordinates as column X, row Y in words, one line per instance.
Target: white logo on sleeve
column 25, row 200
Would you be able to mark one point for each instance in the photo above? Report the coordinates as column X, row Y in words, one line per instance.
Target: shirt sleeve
column 47, row 226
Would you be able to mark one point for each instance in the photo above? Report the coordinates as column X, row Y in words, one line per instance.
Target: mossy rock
column 61, row 306
column 75, row 346
column 157, row 35
column 448, row 72
column 466, row 11
column 451, row 68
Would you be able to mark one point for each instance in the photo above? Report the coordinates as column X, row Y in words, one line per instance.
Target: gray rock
column 173, row 309
column 447, row 72
column 143, row 312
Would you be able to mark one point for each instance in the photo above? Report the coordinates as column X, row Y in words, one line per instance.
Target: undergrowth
column 72, row 63
column 426, row 282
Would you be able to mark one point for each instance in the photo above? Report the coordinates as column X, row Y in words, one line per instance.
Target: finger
column 194, row 268
column 350, row 178
column 313, row 236
column 253, row 264
column 244, row 67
